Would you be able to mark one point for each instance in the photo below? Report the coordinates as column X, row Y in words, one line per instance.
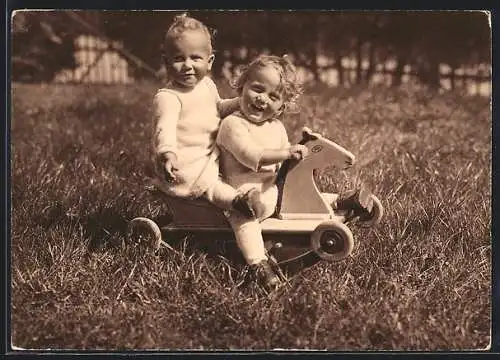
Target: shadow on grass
column 101, row 227
column 106, row 228
column 214, row 246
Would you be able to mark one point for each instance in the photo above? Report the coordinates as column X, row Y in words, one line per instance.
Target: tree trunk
column 314, row 64
column 397, row 76
column 313, row 51
column 429, row 74
column 371, row 63
column 359, row 68
column 218, row 64
column 338, row 66
column 452, row 78
column 434, row 75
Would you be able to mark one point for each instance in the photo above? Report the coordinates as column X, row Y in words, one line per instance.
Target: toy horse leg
column 330, row 198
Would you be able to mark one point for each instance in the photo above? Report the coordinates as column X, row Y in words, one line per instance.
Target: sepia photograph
column 332, row 194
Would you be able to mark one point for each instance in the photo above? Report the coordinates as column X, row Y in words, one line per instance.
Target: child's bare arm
column 225, row 107
column 234, row 137
column 228, row 106
column 167, row 110
column 287, row 151
column 275, row 156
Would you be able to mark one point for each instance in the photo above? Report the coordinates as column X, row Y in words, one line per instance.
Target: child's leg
column 226, row 197
column 249, row 238
column 264, row 202
column 248, row 232
column 221, row 195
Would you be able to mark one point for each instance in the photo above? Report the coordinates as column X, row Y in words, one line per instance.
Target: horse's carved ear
column 305, row 130
column 308, row 135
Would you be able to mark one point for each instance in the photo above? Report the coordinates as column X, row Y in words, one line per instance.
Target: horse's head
column 298, row 195
column 323, row 152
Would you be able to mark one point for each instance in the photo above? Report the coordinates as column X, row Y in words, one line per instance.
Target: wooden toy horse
column 304, row 221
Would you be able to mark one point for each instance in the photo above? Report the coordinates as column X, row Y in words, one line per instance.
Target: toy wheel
column 375, row 215
column 332, row 241
column 144, row 230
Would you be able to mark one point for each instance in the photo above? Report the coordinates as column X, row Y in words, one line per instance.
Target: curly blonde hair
column 290, row 84
column 182, row 23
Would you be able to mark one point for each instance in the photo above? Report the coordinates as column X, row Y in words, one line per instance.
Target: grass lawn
column 420, row 281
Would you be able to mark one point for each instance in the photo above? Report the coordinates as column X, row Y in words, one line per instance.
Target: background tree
column 42, row 42
column 41, row 45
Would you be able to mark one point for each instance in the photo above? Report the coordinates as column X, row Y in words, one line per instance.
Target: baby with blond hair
column 188, row 112
column 253, row 143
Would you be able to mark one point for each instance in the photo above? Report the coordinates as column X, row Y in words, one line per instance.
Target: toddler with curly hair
column 253, row 143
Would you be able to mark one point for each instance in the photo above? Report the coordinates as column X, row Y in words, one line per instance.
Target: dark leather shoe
column 243, row 204
column 264, row 275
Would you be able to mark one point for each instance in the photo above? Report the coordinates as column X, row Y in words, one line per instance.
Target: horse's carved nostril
column 316, row 148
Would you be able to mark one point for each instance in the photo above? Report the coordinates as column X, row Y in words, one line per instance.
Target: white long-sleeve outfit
column 186, row 123
column 241, row 144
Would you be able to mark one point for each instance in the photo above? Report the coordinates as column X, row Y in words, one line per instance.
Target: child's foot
column 264, row 275
column 358, row 202
column 243, row 203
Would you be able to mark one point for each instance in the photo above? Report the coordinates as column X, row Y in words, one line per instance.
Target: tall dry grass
column 421, row 281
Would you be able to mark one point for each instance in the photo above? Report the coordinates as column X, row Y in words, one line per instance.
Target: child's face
column 261, row 98
column 189, row 58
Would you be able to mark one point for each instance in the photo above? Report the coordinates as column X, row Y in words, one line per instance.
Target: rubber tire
column 143, row 228
column 339, row 233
